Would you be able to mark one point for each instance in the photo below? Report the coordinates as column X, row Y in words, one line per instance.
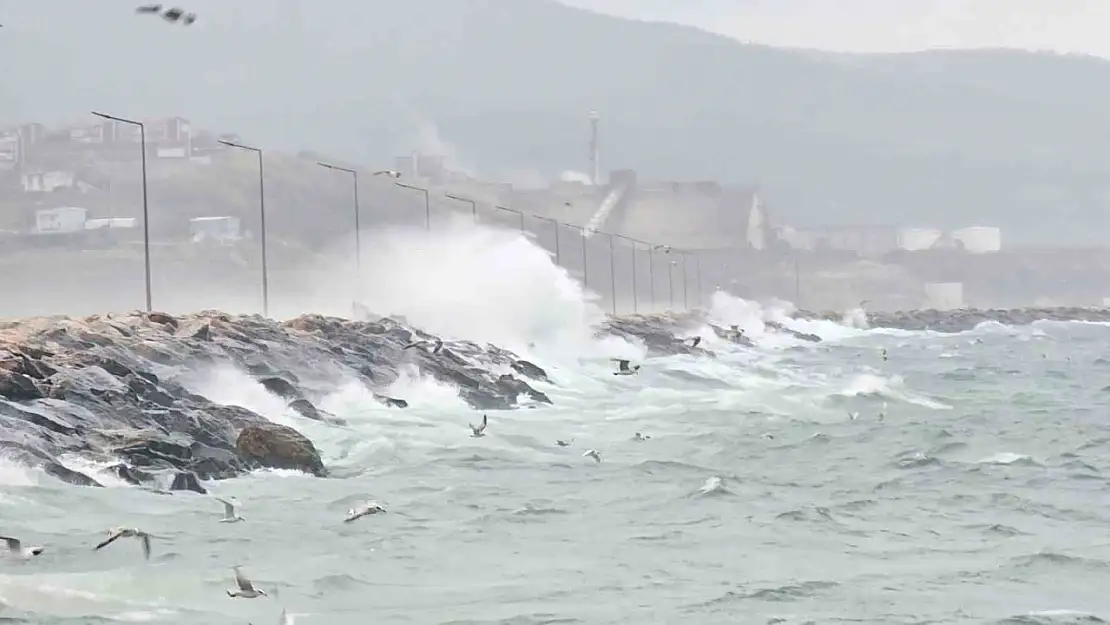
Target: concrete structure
column 918, row 239
column 944, row 295
column 220, row 229
column 60, row 220
column 111, row 223
column 978, row 239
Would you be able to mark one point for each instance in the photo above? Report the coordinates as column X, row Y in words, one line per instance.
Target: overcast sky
column 888, row 25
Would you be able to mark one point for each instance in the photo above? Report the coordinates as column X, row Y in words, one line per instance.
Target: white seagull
column 246, row 589
column 593, row 453
column 479, row 431
column 623, row 369
column 389, row 173
column 365, row 509
column 16, row 548
column 230, row 515
column 128, row 532
column 562, row 443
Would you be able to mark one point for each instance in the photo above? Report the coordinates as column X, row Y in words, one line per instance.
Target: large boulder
column 18, row 387
column 279, row 447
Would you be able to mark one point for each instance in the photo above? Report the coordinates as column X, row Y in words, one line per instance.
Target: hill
column 947, row 138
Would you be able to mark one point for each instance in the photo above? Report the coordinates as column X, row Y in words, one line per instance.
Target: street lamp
column 521, row 216
column 473, row 205
column 358, row 229
column 585, row 263
column 670, row 281
column 558, row 261
column 613, row 275
column 262, row 213
column 685, row 280
column 146, row 212
column 427, row 203
column 633, row 242
column 697, row 274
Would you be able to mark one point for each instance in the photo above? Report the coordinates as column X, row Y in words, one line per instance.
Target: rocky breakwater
column 967, row 318
column 116, row 389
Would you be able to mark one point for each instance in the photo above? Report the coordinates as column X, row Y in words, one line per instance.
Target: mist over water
column 770, row 488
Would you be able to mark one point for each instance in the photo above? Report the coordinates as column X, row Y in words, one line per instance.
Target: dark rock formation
column 114, row 387
column 279, row 447
column 185, row 480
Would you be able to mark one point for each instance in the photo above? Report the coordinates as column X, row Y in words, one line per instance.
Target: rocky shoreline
column 115, row 388
column 965, row 319
column 111, row 388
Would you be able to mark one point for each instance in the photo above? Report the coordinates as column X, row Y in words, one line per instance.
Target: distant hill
column 1014, row 139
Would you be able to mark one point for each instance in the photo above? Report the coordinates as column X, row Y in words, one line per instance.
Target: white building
column 60, row 220
column 978, row 239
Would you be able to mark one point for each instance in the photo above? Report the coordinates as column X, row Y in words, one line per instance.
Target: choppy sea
column 963, row 479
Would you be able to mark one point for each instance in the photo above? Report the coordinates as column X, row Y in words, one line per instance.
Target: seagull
column 640, row 437
column 246, row 589
column 174, row 14
column 128, row 532
column 230, row 515
column 435, row 350
column 694, row 340
column 149, row 8
column 16, row 548
column 562, row 443
column 365, row 509
column 480, row 431
column 593, row 453
column 622, row 367
column 884, row 354
column 390, row 173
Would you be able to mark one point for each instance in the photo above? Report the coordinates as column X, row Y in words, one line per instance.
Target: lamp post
column 521, row 216
column 585, row 263
column 558, row 260
column 146, row 211
column 613, row 276
column 262, row 213
column 670, row 281
column 685, row 280
column 697, row 274
column 427, row 203
column 633, row 242
column 358, row 230
column 473, row 205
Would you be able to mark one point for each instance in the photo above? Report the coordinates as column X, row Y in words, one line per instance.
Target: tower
column 595, row 149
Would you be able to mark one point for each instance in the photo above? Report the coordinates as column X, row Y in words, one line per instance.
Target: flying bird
column 438, row 345
column 230, row 515
column 562, row 443
column 479, row 431
column 365, row 509
column 593, row 453
column 128, row 532
column 173, row 14
column 246, row 589
column 391, row 173
column 16, row 548
column 623, row 369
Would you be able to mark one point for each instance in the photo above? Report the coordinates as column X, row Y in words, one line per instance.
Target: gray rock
column 186, row 480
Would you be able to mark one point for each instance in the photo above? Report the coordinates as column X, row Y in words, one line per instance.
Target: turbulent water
column 958, row 481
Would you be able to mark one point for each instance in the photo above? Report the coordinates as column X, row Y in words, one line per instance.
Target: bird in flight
column 173, row 14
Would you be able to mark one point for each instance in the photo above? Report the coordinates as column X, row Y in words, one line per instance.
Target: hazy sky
column 888, row 25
